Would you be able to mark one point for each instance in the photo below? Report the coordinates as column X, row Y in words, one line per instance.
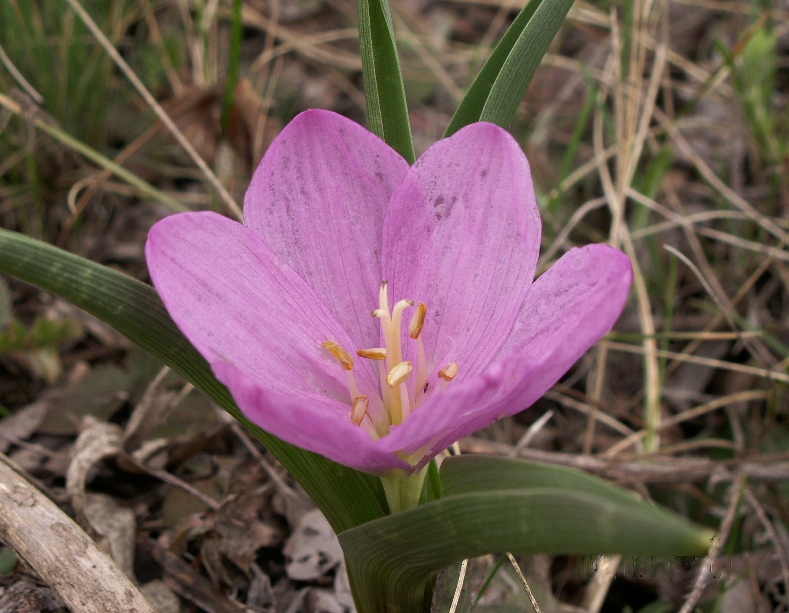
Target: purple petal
column 567, row 310
column 318, row 200
column 462, row 235
column 309, row 421
column 237, row 303
column 464, row 407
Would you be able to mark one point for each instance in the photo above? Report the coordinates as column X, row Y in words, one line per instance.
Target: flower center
column 396, row 401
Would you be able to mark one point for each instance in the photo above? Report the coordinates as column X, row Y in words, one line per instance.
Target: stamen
column 415, row 331
column 374, row 353
column 406, row 405
column 386, row 395
column 352, row 384
column 446, row 375
column 338, row 352
column 399, row 374
column 360, row 404
column 449, row 372
column 417, row 321
column 344, row 358
column 421, row 369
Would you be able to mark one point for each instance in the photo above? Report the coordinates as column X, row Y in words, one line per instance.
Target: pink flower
column 280, row 305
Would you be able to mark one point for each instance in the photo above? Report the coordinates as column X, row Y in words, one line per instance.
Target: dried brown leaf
column 96, row 442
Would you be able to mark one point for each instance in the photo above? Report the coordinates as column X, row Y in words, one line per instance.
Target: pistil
column 396, row 381
column 393, row 372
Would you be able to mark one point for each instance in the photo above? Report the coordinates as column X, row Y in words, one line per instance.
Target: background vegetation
column 657, row 126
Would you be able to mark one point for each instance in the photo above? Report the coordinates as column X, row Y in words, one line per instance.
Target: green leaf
column 501, row 84
column 387, row 112
column 8, row 561
column 525, row 508
column 481, row 473
column 347, row 497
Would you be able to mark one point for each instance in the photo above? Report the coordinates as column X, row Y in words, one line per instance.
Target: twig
column 83, row 576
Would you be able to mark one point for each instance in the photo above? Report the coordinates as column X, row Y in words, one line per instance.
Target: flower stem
column 403, row 493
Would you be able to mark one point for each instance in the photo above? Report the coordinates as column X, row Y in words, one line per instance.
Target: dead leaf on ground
column 313, row 548
column 96, row 442
column 117, row 526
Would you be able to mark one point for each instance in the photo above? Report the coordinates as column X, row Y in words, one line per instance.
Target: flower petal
column 462, row 235
column 236, row 302
column 317, row 200
column 309, row 421
column 567, row 310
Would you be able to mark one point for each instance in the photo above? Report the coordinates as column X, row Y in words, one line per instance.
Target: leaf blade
column 387, row 111
column 499, row 87
column 395, row 557
column 466, row 474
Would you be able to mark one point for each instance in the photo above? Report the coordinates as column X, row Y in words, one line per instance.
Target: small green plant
column 35, row 344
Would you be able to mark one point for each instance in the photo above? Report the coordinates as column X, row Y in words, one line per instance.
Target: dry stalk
column 652, row 469
column 524, row 583
column 705, row 571
column 459, row 586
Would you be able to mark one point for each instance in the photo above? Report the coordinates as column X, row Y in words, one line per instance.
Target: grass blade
column 500, row 85
column 387, row 112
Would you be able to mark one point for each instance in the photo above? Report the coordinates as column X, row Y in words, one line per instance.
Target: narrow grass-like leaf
column 471, row 106
column 387, row 112
column 347, row 497
column 533, row 509
column 500, row 85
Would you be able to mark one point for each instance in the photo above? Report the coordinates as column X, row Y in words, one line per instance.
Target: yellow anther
column 338, row 352
column 374, row 353
column 398, row 374
column 417, row 321
column 448, row 372
column 359, row 410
